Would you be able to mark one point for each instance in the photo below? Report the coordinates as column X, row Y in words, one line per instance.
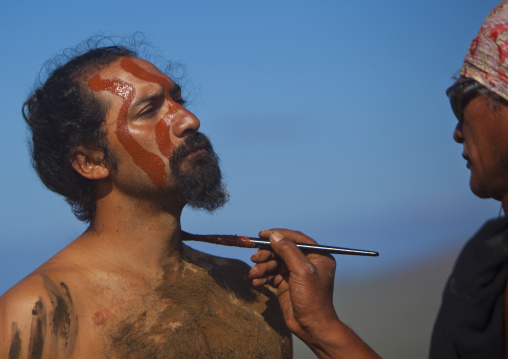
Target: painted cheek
column 149, row 162
column 163, row 126
column 162, row 130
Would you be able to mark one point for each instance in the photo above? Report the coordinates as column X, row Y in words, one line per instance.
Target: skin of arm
column 22, row 328
column 304, row 286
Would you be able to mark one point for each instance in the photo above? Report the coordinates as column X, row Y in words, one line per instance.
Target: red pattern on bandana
column 486, row 59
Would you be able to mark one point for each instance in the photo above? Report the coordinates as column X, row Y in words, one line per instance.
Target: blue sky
column 329, row 116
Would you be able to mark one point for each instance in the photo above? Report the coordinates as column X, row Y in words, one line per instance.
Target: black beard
column 200, row 183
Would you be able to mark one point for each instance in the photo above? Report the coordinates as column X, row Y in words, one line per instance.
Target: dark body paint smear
column 15, row 349
column 63, row 324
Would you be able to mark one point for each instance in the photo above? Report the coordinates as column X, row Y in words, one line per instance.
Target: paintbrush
column 250, row 242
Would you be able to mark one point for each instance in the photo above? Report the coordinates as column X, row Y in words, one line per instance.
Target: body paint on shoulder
column 15, row 348
column 64, row 321
column 37, row 330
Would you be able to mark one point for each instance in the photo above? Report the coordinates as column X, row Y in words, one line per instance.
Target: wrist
column 334, row 339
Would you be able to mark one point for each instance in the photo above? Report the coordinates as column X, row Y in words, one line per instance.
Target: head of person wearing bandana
column 479, row 99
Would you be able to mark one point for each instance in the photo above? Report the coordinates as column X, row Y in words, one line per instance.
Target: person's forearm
column 336, row 340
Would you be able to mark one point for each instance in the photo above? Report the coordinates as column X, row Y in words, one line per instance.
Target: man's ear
column 89, row 163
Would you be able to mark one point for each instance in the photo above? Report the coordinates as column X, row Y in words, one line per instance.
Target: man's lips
column 194, row 145
column 468, row 161
column 195, row 148
column 196, row 152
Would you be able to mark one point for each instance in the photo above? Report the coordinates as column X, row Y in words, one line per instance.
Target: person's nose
column 458, row 136
column 183, row 122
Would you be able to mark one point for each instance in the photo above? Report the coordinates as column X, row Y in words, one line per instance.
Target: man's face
column 484, row 136
column 154, row 136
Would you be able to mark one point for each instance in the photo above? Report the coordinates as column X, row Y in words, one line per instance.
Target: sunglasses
column 460, row 94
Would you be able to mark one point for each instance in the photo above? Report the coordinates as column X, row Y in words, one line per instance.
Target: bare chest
column 199, row 315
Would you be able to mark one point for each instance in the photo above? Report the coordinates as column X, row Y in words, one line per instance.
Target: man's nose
column 184, row 121
column 458, row 136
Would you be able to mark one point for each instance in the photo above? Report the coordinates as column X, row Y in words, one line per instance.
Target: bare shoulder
column 207, row 260
column 226, row 269
column 233, row 275
column 21, row 310
column 36, row 319
column 237, row 309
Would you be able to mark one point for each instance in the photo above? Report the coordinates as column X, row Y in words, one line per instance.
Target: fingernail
column 276, row 236
column 259, row 281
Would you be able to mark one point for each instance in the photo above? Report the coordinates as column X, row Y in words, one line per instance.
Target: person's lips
column 193, row 146
column 468, row 161
column 196, row 152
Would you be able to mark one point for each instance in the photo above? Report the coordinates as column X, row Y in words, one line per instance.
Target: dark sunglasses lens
column 455, row 100
column 460, row 95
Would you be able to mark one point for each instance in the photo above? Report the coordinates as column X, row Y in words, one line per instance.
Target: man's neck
column 135, row 234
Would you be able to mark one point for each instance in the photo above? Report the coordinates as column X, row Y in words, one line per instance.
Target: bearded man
column 111, row 134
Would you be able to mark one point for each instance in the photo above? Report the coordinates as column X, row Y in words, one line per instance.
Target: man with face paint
column 111, row 134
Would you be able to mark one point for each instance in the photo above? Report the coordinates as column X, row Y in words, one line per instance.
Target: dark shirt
column 470, row 322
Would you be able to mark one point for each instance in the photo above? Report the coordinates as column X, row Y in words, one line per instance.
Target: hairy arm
column 304, row 288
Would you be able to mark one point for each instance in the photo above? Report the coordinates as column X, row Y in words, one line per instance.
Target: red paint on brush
column 225, row 240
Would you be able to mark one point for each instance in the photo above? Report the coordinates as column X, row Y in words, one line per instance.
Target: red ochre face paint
column 162, row 127
column 149, row 162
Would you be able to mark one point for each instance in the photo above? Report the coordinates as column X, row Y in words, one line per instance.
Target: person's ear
column 89, row 163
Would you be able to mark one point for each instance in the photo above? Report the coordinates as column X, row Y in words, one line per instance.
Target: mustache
column 191, row 143
column 199, row 183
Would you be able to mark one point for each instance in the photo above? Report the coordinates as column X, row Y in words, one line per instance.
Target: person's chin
column 478, row 188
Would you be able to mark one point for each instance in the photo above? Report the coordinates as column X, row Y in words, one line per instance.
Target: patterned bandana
column 487, row 58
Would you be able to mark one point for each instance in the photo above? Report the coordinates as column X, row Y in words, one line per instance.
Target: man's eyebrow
column 175, row 89
column 149, row 98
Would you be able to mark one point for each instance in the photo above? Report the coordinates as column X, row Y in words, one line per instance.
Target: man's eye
column 147, row 111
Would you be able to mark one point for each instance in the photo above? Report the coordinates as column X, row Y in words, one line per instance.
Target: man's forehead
column 116, row 70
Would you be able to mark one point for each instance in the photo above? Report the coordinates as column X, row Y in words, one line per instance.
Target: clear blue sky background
column 330, row 118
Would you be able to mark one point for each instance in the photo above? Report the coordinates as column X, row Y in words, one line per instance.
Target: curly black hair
column 63, row 114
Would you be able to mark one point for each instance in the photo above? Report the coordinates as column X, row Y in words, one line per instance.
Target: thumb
column 288, row 251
